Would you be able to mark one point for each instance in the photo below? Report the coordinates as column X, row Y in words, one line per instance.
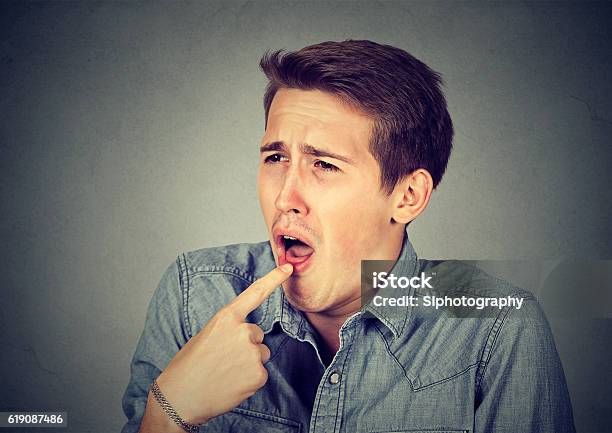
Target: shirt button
column 334, row 378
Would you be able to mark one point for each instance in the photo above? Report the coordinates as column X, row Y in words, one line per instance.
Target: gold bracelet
column 191, row 428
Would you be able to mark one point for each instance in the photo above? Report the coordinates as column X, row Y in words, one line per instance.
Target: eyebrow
column 307, row 149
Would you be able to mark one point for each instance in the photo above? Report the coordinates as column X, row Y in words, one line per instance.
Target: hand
column 222, row 365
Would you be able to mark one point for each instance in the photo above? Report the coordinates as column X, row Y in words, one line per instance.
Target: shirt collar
column 278, row 310
column 396, row 318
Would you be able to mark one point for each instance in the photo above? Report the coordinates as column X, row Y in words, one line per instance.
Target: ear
column 411, row 196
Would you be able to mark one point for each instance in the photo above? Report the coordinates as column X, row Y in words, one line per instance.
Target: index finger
column 256, row 293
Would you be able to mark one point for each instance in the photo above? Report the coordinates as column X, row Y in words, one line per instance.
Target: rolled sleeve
column 163, row 336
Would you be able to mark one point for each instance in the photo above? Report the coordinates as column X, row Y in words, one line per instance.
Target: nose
column 290, row 198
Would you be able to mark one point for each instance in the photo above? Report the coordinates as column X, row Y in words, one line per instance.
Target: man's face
column 319, row 183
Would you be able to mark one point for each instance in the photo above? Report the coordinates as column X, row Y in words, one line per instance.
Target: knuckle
column 261, row 287
column 254, row 352
column 258, row 333
column 257, row 286
column 265, row 352
column 244, row 332
column 261, row 376
column 255, row 332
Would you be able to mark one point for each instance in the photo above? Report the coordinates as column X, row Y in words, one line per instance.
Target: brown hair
column 412, row 127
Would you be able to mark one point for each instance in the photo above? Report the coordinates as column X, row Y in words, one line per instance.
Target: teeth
column 290, row 238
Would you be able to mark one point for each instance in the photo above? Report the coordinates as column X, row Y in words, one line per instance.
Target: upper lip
column 278, row 233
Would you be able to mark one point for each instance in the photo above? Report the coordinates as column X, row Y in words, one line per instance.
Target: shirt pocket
column 241, row 420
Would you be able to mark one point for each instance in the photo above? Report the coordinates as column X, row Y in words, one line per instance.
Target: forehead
column 317, row 118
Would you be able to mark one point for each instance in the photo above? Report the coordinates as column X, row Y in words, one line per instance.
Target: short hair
column 412, row 126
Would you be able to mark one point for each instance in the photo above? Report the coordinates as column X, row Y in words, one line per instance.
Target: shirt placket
column 329, row 401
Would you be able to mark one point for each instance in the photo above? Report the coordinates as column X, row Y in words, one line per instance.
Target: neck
column 328, row 324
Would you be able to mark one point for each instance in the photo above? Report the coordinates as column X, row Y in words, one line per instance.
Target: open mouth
column 294, row 250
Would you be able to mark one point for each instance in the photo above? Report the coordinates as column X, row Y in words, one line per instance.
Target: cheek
column 356, row 246
column 266, row 190
column 350, row 253
column 349, row 232
column 356, row 229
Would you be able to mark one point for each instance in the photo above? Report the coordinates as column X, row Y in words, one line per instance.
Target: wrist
column 181, row 401
column 155, row 419
column 170, row 412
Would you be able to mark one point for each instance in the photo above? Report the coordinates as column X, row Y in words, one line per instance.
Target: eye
column 326, row 166
column 276, row 157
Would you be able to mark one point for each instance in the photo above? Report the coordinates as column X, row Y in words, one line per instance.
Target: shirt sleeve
column 163, row 336
column 523, row 387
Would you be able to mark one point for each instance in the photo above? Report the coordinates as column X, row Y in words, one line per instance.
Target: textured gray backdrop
column 129, row 133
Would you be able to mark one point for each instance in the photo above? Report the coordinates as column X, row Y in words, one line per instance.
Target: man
column 357, row 137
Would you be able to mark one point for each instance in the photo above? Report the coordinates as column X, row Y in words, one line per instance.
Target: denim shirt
column 397, row 370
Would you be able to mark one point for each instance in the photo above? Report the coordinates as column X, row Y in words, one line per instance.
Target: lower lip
column 299, row 266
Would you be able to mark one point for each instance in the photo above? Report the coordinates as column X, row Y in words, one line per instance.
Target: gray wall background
column 129, row 134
